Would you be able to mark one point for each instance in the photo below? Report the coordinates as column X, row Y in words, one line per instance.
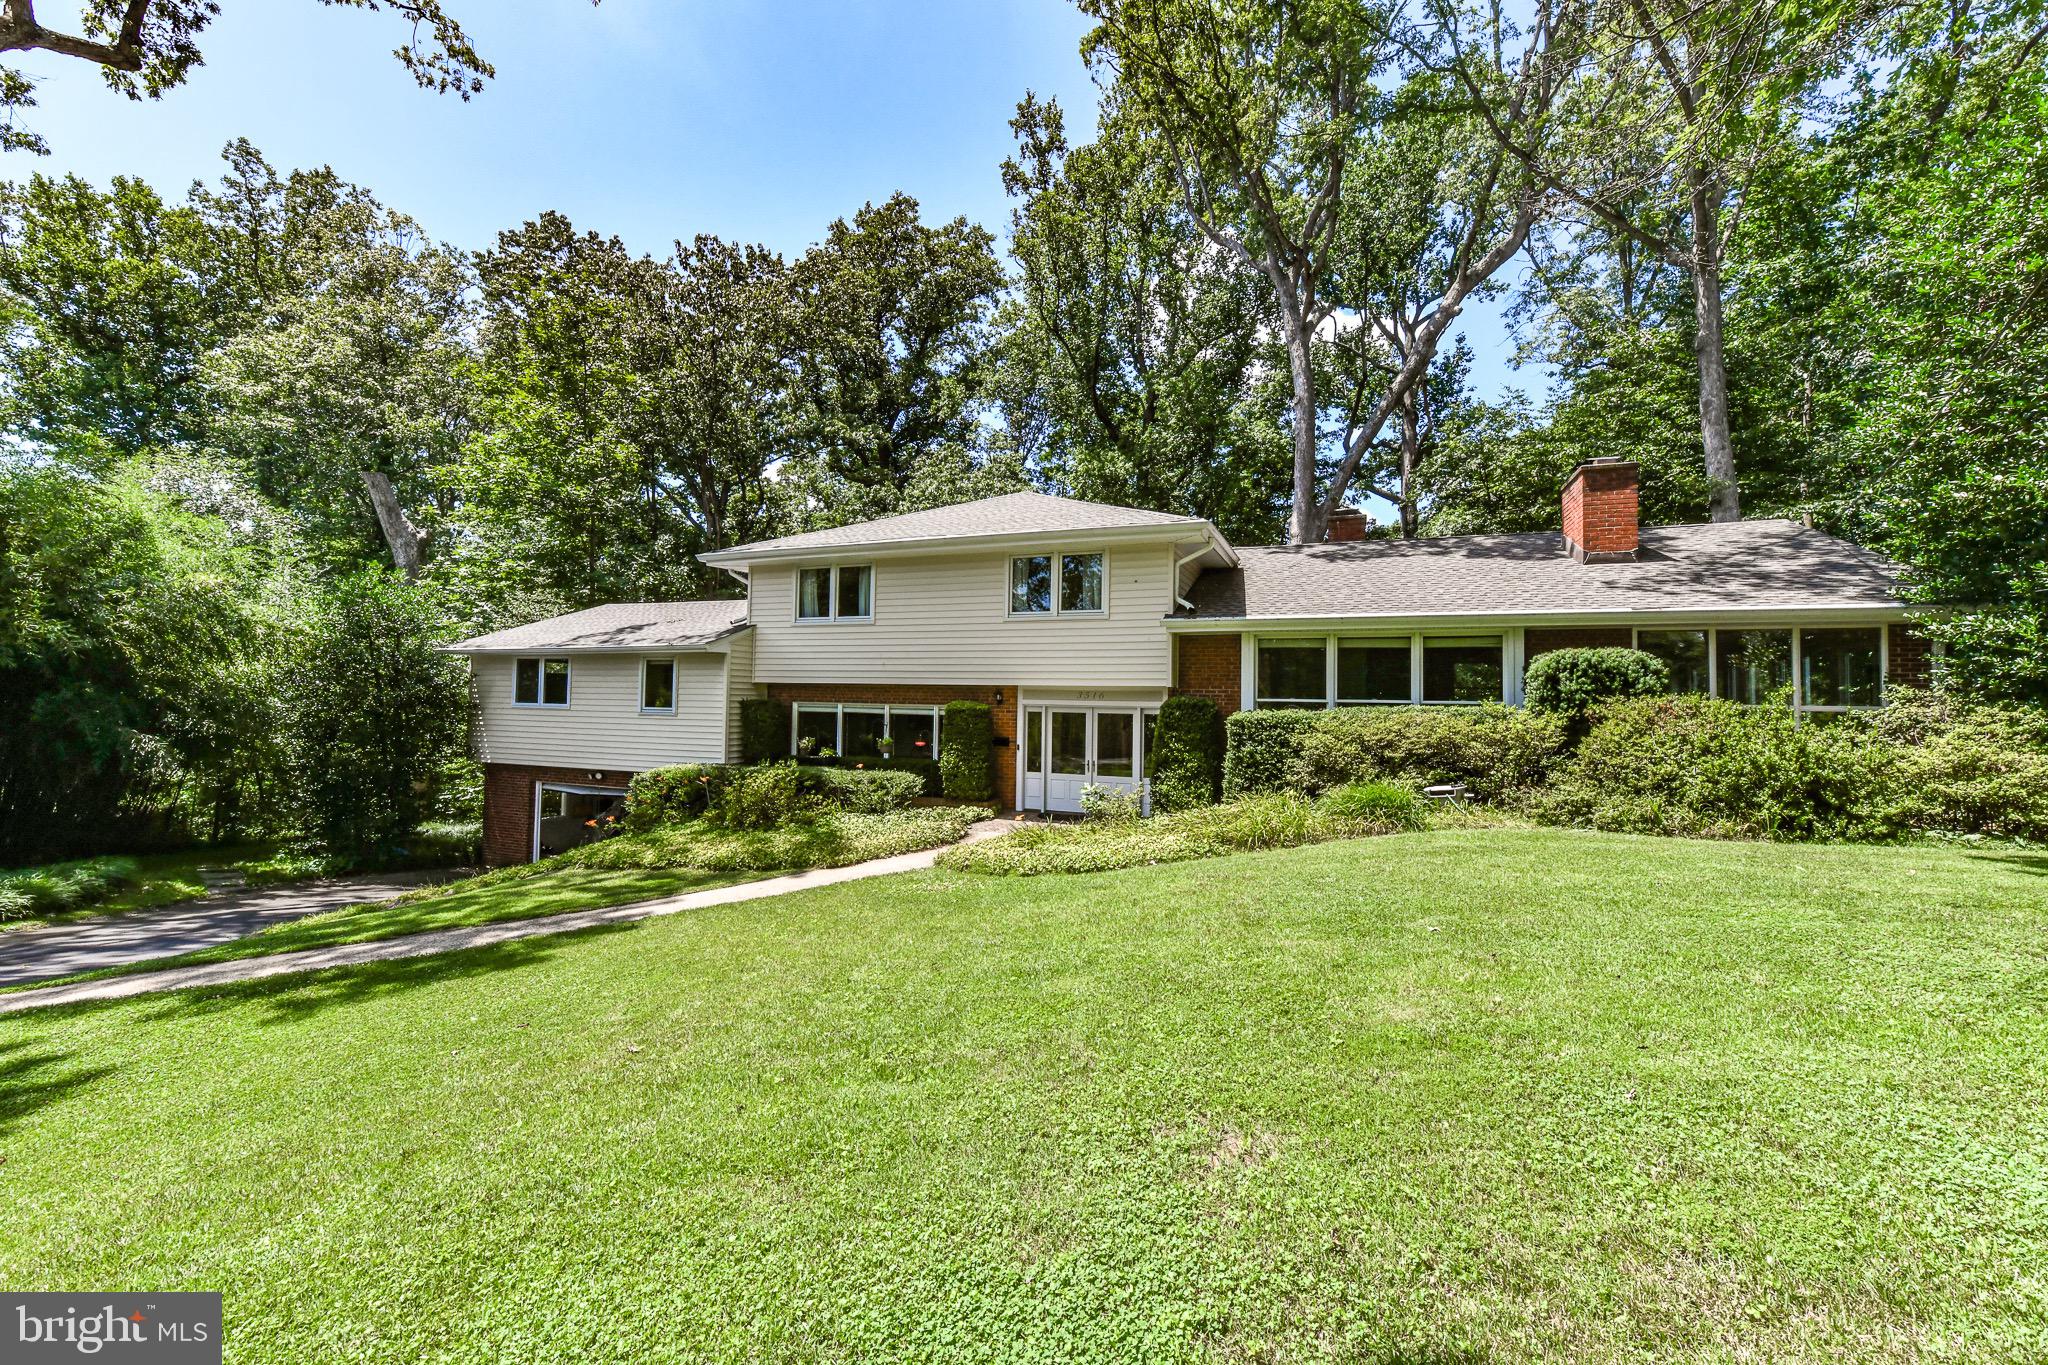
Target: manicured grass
column 1490, row 1095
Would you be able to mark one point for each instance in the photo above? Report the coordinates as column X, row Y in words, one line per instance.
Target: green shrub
column 15, row 903
column 1262, row 751
column 669, row 796
column 1376, row 806
column 1253, row 824
column 1186, row 758
column 1966, row 769
column 967, row 762
column 63, row 887
column 1713, row 769
column 1494, row 750
column 1571, row 682
column 764, row 729
column 762, row 797
column 1114, row 805
column 869, row 791
column 926, row 770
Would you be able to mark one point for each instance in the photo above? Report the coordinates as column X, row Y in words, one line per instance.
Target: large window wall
column 857, row 730
column 1836, row 668
column 1318, row 671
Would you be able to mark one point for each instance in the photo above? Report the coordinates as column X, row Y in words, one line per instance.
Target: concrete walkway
column 470, row 936
column 91, row 944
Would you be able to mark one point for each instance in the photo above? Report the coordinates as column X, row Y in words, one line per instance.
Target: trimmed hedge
column 669, row 796
column 1494, row 750
column 1964, row 769
column 1572, row 681
column 867, row 791
column 1186, row 760
column 967, row 761
column 764, row 729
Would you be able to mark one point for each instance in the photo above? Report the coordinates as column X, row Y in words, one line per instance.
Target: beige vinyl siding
column 602, row 726
column 739, row 685
column 944, row 619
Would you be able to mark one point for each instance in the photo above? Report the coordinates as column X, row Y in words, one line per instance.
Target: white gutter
column 1683, row 616
column 1180, row 564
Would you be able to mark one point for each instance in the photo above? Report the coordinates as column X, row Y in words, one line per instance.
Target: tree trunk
column 399, row 532
column 1724, row 501
column 1305, row 519
column 1411, row 451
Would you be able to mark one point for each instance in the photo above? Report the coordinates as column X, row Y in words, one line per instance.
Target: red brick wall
column 1600, row 509
column 1210, row 666
column 1537, row 642
column 508, row 805
column 1910, row 655
column 1003, row 714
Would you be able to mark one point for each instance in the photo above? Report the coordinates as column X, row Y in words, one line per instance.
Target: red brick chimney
column 1347, row 523
column 1600, row 511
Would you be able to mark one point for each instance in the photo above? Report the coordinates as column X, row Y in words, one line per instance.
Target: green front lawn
column 1444, row 1097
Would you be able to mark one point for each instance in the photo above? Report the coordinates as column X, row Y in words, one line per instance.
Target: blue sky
column 650, row 119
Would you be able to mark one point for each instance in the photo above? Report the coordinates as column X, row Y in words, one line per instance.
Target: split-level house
column 1074, row 620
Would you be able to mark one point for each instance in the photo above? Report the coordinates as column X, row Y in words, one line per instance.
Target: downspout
column 1180, row 564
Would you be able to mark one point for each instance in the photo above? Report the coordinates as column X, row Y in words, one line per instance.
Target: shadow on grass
column 27, row 1081
column 2036, row 863
column 293, row 998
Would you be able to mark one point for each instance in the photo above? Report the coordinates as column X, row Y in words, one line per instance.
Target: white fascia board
column 712, row 644
column 1619, row 616
column 1172, row 532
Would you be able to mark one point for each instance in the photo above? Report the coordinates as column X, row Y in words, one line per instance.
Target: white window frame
column 675, row 686
column 1058, row 555
column 888, row 710
column 540, row 701
column 1799, row 703
column 1510, row 674
column 832, row 615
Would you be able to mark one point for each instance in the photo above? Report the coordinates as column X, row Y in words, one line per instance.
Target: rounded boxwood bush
column 1571, row 681
column 967, row 763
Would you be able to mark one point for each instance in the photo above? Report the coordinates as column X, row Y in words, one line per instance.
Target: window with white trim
column 658, row 687
column 540, row 682
column 860, row 730
column 1319, row 671
column 1823, row 669
column 1685, row 656
column 1062, row 583
column 1293, row 674
column 837, row 592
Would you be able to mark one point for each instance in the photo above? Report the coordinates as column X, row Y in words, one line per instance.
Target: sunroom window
column 1841, row 669
column 540, row 682
column 1374, row 671
column 1461, row 668
column 1684, row 652
column 1293, row 674
column 1752, row 664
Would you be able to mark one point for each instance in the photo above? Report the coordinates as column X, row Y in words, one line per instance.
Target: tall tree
column 1134, row 352
column 895, row 347
column 146, row 47
column 1259, row 107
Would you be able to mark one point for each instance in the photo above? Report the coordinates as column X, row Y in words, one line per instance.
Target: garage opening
column 568, row 817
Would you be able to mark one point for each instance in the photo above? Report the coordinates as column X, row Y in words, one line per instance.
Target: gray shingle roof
column 1745, row 565
column 1009, row 514
column 621, row 626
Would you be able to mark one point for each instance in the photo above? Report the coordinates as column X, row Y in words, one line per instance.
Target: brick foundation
column 1003, row 714
column 508, row 805
column 1210, row 666
column 1910, row 656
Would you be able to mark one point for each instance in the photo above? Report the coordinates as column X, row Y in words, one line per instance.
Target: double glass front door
column 1068, row 748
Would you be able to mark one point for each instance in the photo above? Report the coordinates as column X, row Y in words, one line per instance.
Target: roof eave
column 1671, row 616
column 696, row 644
column 1164, row 532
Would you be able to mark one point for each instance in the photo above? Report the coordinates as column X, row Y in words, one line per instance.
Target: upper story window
column 658, row 687
column 540, row 682
column 1054, row 584
column 842, row 592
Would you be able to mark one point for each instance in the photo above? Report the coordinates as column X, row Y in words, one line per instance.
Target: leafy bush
column 764, row 729
column 1262, row 751
column 376, row 713
column 967, row 763
column 926, row 770
column 669, row 796
column 1571, row 682
column 762, row 797
column 1274, row 820
column 63, row 887
column 1186, row 759
column 1111, row 805
column 15, row 903
column 1494, row 750
column 869, row 791
column 1381, row 805
column 1713, row 769
column 1967, row 769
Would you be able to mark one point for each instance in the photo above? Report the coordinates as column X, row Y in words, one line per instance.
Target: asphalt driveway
column 86, row 945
